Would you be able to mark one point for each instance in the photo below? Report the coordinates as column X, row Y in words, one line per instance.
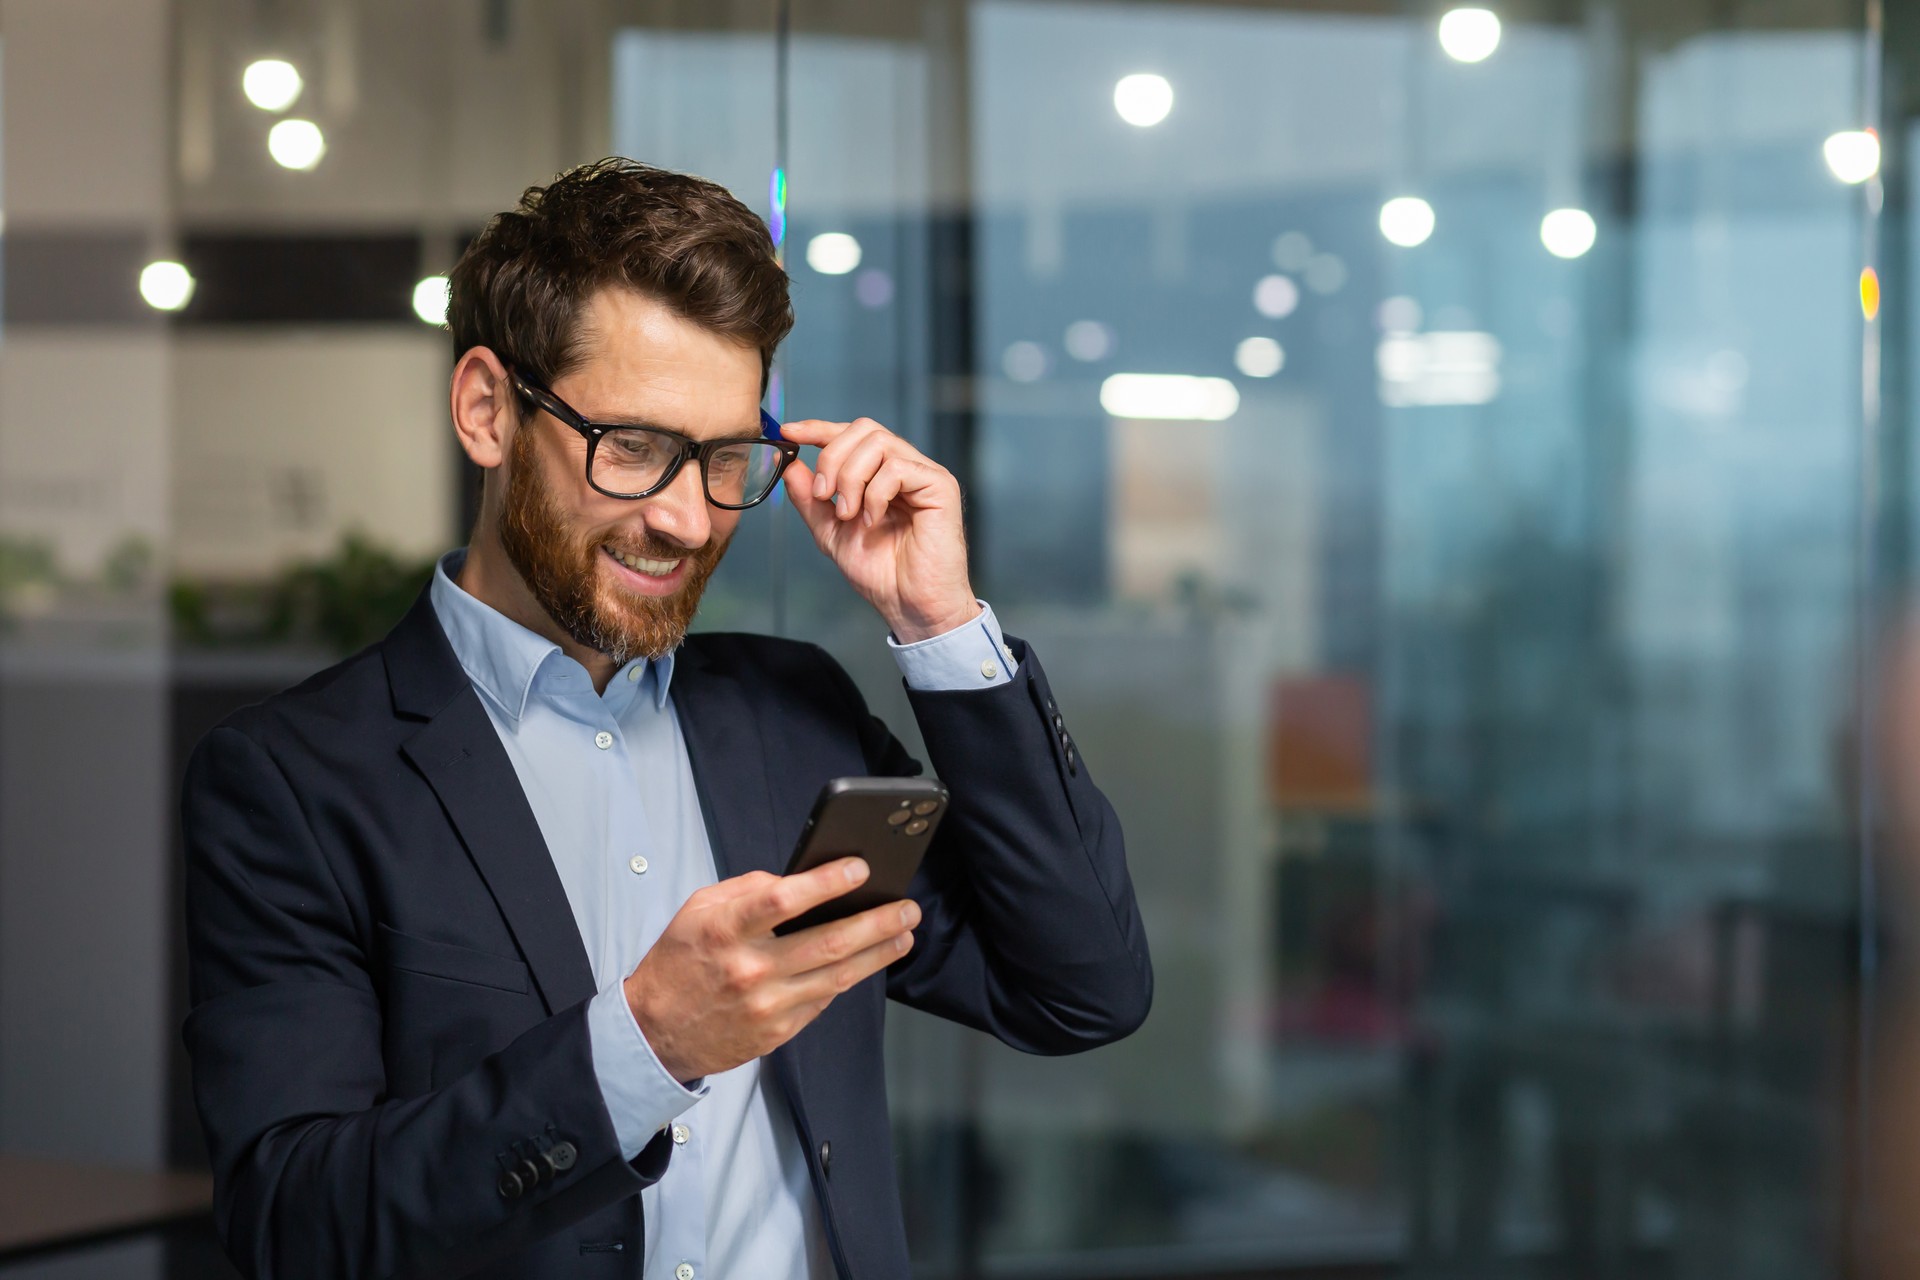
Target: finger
column 822, row 985
column 902, row 478
column 866, row 456
column 834, row 454
column 822, row 945
column 817, row 512
column 815, row 431
column 782, row 898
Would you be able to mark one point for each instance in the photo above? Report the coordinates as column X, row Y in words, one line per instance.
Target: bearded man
column 481, row 921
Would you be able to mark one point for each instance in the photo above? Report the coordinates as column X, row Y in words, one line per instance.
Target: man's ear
column 484, row 407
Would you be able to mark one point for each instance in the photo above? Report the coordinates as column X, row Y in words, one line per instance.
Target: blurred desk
column 47, row 1206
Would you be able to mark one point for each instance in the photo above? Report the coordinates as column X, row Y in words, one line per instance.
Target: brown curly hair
column 519, row 287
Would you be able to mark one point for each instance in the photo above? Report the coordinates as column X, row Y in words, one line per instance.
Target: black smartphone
column 887, row 821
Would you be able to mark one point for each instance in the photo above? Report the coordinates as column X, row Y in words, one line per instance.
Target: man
column 481, row 921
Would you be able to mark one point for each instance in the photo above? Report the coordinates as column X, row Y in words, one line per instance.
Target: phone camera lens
column 915, row 827
column 897, row 817
column 926, row 807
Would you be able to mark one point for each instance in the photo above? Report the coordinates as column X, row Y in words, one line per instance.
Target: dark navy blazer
column 389, row 991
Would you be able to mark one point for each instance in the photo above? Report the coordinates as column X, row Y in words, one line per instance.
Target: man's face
column 624, row 577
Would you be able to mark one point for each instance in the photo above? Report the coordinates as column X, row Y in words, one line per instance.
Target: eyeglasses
column 638, row 462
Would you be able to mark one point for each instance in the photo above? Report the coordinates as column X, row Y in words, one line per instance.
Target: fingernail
column 856, row 871
column 820, row 489
column 909, row 915
column 867, row 519
column 902, row 942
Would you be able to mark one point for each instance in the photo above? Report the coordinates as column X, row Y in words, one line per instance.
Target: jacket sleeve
column 1029, row 929
column 317, row 1171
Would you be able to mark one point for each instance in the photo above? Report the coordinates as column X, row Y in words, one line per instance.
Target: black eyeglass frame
column 686, row 446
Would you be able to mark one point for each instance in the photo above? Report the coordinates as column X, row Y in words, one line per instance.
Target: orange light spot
column 1870, row 293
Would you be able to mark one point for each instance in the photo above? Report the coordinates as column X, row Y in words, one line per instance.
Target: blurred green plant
column 342, row 603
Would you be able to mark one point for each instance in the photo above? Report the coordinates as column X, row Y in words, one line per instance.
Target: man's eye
column 634, row 448
column 728, row 459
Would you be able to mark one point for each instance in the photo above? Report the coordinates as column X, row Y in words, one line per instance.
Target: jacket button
column 529, row 1173
column 511, row 1186
column 826, row 1156
column 561, row 1157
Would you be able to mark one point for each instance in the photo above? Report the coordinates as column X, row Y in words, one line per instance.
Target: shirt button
column 603, row 739
column 638, row 864
column 988, row 669
column 680, row 1135
column 633, row 672
column 683, row 1272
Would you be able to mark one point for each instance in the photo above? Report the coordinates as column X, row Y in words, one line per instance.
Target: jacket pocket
column 453, row 963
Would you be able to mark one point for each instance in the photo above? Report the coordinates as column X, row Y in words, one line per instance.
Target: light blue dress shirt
column 609, row 782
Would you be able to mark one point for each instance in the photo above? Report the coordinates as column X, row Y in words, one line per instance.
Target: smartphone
column 887, row 821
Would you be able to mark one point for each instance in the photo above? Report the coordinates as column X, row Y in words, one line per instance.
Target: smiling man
column 481, row 921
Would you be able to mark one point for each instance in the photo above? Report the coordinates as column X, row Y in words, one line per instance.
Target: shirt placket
column 642, row 897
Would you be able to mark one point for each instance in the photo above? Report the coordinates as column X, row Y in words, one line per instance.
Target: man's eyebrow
column 744, row 433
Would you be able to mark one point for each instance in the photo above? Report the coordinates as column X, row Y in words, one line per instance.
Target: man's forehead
column 641, row 361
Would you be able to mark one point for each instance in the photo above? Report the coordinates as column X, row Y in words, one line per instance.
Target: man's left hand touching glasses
column 888, row 517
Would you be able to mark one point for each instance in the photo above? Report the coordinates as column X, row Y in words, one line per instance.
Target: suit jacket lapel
column 730, row 765
column 458, row 752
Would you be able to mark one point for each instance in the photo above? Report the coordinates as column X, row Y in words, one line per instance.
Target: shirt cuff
column 971, row 656
column 639, row 1094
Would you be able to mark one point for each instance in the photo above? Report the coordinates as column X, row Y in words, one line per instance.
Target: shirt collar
column 501, row 657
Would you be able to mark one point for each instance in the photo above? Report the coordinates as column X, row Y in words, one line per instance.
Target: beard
column 562, row 570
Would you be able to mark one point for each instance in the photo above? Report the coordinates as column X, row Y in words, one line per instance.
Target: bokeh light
column 1143, row 100
column 1853, row 156
column 1169, row 397
column 1089, row 340
column 1024, row 362
column 1568, row 233
column 296, row 144
column 1259, row 357
column 833, row 253
column 1276, row 297
column 271, row 84
column 430, row 300
column 1470, row 35
column 1406, row 221
column 166, row 285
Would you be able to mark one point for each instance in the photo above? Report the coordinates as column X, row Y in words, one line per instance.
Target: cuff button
column 563, row 1156
column 511, row 1186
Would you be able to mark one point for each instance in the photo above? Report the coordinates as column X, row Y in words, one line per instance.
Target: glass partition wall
column 1454, row 465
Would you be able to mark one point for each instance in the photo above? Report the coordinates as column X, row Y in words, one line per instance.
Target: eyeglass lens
column 632, row 460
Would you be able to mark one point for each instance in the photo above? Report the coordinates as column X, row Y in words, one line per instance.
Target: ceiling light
column 430, row 300
column 1470, row 35
column 833, row 253
column 166, row 286
column 1143, row 100
column 1089, row 340
column 271, row 84
column 1167, row 397
column 1406, row 221
column 296, row 144
column 1568, row 233
column 1854, row 156
column 1024, row 361
column 1259, row 357
column 1275, row 297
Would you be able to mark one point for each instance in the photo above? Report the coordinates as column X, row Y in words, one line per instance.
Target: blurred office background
column 1457, row 466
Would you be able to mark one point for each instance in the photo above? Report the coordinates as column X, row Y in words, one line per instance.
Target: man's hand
column 889, row 518
column 719, row 989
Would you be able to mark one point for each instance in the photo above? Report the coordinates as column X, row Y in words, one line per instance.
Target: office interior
column 1458, row 460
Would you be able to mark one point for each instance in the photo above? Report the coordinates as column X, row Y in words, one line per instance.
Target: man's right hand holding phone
column 719, row 988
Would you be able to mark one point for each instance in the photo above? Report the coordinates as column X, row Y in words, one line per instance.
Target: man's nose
column 680, row 511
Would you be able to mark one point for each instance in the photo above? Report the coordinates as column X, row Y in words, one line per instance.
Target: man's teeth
column 640, row 564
